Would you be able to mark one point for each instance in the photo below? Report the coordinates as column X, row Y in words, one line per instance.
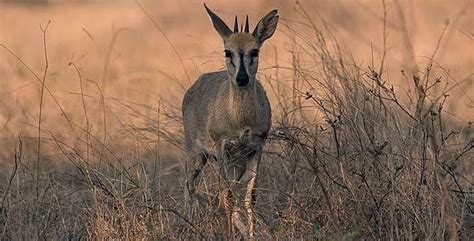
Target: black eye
column 227, row 53
column 254, row 54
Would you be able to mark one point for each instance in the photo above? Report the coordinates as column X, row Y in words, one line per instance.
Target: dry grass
column 356, row 150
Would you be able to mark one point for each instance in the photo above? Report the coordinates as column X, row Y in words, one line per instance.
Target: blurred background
column 117, row 48
column 96, row 152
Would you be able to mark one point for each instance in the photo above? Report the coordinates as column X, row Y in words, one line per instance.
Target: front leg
column 233, row 167
column 240, row 163
column 250, row 177
column 247, row 182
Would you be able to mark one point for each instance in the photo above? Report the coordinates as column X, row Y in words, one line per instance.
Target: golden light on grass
column 372, row 132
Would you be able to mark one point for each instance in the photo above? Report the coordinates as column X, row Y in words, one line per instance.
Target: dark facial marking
column 242, row 76
column 253, row 54
column 229, row 55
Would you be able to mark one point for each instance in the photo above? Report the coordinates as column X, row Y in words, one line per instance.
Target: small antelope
column 227, row 117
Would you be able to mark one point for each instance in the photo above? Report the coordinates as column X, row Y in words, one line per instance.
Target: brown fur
column 223, row 118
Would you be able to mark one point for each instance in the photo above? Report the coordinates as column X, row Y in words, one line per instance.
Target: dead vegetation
column 351, row 156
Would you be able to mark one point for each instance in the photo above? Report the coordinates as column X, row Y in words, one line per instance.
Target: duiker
column 227, row 117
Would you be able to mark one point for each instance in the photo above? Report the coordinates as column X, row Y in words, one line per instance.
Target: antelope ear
column 266, row 26
column 222, row 28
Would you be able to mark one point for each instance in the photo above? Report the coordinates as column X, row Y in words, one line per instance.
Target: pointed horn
column 236, row 25
column 247, row 24
column 241, row 27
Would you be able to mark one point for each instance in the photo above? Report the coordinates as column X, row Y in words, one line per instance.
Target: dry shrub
column 363, row 158
column 351, row 156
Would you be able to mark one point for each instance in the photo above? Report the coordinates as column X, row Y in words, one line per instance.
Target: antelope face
column 241, row 54
column 241, row 49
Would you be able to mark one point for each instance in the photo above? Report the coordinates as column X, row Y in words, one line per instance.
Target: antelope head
column 241, row 48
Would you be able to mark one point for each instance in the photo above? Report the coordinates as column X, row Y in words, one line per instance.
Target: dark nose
column 242, row 76
column 242, row 81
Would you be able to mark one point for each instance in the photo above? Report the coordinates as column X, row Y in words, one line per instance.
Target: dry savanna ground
column 373, row 103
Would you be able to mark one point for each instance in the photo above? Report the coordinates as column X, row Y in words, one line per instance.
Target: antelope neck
column 243, row 102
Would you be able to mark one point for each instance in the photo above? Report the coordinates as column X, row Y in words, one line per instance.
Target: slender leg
column 233, row 215
column 199, row 161
column 240, row 170
column 226, row 197
column 237, row 221
column 250, row 178
column 248, row 206
column 234, row 166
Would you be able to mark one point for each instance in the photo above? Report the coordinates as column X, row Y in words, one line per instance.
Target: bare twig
column 43, row 84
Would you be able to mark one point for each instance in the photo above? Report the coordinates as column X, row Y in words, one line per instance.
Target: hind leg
column 198, row 162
